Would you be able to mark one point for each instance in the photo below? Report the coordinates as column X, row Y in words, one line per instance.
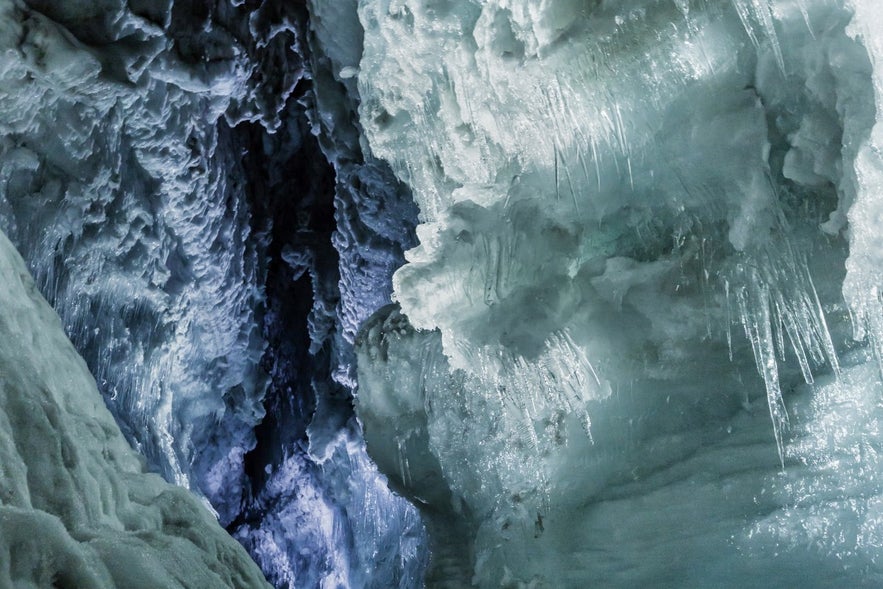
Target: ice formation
column 160, row 171
column 637, row 332
column 636, row 343
column 319, row 488
column 77, row 508
column 120, row 188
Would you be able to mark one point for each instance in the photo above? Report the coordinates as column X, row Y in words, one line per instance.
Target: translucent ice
column 648, row 241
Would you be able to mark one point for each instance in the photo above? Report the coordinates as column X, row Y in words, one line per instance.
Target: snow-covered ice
column 77, row 508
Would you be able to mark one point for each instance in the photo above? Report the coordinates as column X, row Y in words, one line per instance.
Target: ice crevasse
column 161, row 174
column 639, row 342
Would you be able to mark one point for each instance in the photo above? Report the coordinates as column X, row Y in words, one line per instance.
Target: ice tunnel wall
column 77, row 508
column 187, row 184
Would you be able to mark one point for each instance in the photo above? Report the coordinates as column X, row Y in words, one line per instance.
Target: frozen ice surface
column 637, row 342
column 159, row 173
column 121, row 189
column 77, row 508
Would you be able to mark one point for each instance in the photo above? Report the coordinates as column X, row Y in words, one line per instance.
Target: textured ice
column 632, row 345
column 639, row 334
column 366, row 537
column 121, row 189
column 77, row 508
column 160, row 172
column 317, row 511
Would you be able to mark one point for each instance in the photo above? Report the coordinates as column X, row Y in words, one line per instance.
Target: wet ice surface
column 637, row 341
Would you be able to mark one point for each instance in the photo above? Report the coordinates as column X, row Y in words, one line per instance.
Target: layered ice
column 632, row 345
column 77, row 507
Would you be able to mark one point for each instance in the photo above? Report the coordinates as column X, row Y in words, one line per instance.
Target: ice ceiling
column 503, row 293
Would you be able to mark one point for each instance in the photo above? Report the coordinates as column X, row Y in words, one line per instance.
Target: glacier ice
column 119, row 187
column 636, row 337
column 77, row 508
column 160, row 170
column 637, row 342
column 318, row 513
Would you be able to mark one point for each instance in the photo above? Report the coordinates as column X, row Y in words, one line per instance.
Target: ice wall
column 310, row 481
column 161, row 171
column 77, row 508
column 647, row 269
column 126, row 196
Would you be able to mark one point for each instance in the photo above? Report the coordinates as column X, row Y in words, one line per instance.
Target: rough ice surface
column 639, row 341
column 639, row 332
column 121, row 190
column 320, row 514
column 77, row 508
column 160, row 171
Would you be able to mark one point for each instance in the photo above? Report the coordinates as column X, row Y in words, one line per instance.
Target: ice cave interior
column 443, row 293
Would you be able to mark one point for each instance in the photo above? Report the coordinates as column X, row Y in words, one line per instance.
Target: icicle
column 556, row 108
column 764, row 12
column 594, row 143
column 745, row 16
column 795, row 337
column 628, row 163
column 778, row 331
column 729, row 320
column 760, row 9
column 557, row 183
column 757, row 321
column 775, row 401
column 404, row 467
column 825, row 333
column 801, row 5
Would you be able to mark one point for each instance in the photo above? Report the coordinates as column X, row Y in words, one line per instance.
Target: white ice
column 77, row 508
